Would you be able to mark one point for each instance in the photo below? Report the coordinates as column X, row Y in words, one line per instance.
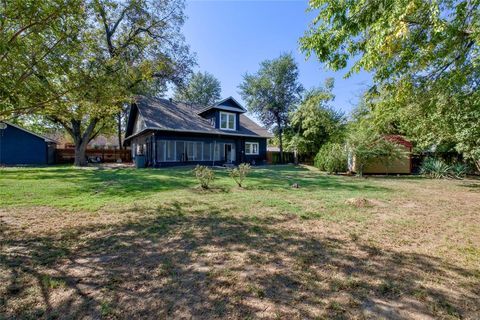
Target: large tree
column 37, row 38
column 425, row 56
column 315, row 121
column 272, row 93
column 126, row 48
column 201, row 89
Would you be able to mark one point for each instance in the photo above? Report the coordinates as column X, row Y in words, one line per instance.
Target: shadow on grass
column 175, row 263
column 132, row 184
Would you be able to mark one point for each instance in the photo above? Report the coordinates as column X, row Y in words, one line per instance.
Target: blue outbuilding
column 19, row 146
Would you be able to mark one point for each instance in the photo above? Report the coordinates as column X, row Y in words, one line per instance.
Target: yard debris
column 295, row 186
column 359, row 202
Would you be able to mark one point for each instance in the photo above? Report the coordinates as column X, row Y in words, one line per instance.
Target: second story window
column 227, row 121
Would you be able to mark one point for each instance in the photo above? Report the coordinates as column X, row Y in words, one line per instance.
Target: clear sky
column 231, row 38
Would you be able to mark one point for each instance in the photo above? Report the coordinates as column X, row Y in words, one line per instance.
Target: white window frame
column 251, row 153
column 228, row 114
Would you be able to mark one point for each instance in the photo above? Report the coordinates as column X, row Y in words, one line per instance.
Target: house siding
column 18, row 147
column 149, row 141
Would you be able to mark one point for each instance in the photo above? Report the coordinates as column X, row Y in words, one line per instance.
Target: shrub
column 459, row 170
column 435, row 168
column 332, row 157
column 239, row 174
column 204, row 175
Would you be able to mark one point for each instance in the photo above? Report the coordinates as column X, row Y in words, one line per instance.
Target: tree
column 365, row 145
column 127, row 47
column 395, row 38
column 315, row 121
column 272, row 93
column 425, row 58
column 202, row 89
column 36, row 40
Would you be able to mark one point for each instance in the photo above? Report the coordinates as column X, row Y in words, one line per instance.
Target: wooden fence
column 105, row 155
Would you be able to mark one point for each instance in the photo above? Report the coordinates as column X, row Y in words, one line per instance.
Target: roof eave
column 195, row 131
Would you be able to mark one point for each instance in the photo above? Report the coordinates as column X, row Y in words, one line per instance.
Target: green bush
column 332, row 157
column 239, row 174
column 459, row 170
column 438, row 169
column 435, row 168
column 204, row 175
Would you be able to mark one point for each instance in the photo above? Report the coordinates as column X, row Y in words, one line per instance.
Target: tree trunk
column 81, row 140
column 119, row 130
column 80, row 155
column 280, row 140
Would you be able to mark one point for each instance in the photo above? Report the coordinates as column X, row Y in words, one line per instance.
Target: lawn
column 125, row 243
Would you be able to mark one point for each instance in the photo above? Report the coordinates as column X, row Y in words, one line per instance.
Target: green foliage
column 435, row 168
column 426, row 61
column 239, row 174
column 459, row 170
column 332, row 157
column 37, row 39
column 365, row 145
column 202, row 89
column 438, row 169
column 273, row 92
column 92, row 60
column 204, row 175
column 395, row 37
column 314, row 122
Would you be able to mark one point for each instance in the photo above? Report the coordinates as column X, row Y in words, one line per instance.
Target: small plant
column 435, row 168
column 204, row 175
column 459, row 170
column 239, row 174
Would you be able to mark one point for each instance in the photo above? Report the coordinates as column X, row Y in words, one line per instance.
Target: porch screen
column 161, row 150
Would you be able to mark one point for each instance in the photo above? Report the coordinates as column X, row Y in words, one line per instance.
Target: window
column 181, row 156
column 251, row 148
column 227, row 121
column 170, row 151
column 207, row 151
column 161, row 150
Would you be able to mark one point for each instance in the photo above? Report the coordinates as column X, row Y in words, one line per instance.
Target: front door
column 229, row 153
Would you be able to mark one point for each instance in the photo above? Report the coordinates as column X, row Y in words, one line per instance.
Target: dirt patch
column 360, row 202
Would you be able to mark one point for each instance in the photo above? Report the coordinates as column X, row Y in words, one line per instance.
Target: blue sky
column 231, row 38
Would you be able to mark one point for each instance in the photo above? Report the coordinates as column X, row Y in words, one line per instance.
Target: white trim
column 251, row 153
column 228, row 114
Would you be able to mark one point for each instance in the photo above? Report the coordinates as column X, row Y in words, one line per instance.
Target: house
column 398, row 166
column 19, row 146
column 169, row 133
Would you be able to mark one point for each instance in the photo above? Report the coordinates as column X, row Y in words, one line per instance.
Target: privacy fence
column 104, row 155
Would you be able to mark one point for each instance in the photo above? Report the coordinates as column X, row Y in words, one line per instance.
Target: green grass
column 128, row 243
column 92, row 189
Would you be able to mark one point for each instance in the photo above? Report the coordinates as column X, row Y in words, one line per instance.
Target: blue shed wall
column 19, row 147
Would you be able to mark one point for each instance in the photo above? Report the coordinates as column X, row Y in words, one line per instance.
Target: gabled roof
column 227, row 104
column 166, row 115
column 28, row 131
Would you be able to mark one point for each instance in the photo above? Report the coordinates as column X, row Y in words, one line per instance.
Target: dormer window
column 227, row 121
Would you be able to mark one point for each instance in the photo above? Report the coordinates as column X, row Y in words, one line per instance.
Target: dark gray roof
column 163, row 114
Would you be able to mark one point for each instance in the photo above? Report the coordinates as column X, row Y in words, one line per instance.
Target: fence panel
column 106, row 155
